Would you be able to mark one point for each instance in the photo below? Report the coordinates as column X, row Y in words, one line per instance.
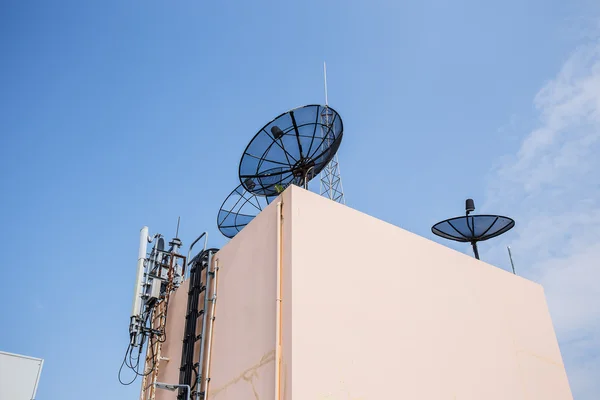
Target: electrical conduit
column 210, row 330
column 204, row 320
column 278, row 307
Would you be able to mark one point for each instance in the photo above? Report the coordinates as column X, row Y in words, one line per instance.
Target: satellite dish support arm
column 475, row 250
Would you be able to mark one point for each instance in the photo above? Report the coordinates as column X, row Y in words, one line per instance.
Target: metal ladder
column 200, row 278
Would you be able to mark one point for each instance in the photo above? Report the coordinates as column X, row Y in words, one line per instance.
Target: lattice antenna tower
column 331, row 180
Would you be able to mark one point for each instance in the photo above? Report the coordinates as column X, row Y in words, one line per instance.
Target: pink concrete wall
column 168, row 367
column 168, row 370
column 243, row 347
column 370, row 311
column 381, row 313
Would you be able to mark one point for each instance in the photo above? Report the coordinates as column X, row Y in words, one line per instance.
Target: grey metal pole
column 207, row 281
column 474, row 244
column 205, row 235
column 188, row 259
column 512, row 264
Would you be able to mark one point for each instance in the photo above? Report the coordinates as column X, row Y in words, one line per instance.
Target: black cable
column 195, row 380
column 137, row 359
column 151, row 344
column 128, row 357
column 137, row 371
column 121, row 368
column 134, row 364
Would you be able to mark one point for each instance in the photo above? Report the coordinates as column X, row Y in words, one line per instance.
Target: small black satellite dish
column 238, row 209
column 291, row 149
column 473, row 228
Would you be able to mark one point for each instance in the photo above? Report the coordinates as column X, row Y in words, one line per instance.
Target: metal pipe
column 278, row 309
column 173, row 387
column 203, row 334
column 194, row 242
column 137, row 295
column 210, row 331
column 474, row 244
column 512, row 264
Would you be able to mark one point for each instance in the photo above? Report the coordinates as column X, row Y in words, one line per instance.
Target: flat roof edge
column 20, row 356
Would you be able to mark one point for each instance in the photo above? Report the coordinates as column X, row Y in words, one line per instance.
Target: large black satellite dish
column 238, row 209
column 473, row 228
column 292, row 148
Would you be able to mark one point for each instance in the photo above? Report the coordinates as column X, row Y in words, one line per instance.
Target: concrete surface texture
column 371, row 311
column 168, row 366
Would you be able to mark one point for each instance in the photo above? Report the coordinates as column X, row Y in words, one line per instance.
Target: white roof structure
column 19, row 376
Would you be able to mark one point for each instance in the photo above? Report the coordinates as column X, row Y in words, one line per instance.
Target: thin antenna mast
column 331, row 180
column 512, row 264
column 325, row 74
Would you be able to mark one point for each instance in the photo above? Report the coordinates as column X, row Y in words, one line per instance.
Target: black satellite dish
column 238, row 209
column 291, row 149
column 473, row 228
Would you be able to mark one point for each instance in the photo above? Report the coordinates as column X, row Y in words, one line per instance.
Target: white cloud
column 552, row 189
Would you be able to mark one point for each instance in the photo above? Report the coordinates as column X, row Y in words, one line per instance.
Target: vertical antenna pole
column 330, row 180
column 475, row 250
column 325, row 75
column 177, row 231
column 512, row 264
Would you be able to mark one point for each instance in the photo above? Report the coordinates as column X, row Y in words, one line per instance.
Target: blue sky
column 115, row 115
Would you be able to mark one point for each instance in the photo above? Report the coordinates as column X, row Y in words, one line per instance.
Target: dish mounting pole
column 330, row 179
column 475, row 250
